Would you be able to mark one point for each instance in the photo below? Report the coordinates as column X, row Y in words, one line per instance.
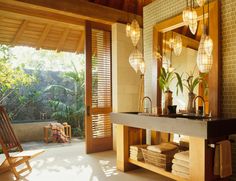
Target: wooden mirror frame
column 213, row 76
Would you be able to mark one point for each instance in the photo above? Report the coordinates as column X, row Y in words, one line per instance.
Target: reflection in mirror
column 179, row 49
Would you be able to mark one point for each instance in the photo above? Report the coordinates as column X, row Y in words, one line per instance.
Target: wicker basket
column 162, row 160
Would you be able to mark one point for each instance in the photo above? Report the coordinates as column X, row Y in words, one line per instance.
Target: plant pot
column 168, row 101
column 190, row 107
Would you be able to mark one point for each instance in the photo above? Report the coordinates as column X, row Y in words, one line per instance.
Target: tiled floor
column 68, row 162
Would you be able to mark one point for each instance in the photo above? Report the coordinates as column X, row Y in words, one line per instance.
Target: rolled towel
column 184, row 156
column 180, row 174
column 162, row 148
column 180, row 168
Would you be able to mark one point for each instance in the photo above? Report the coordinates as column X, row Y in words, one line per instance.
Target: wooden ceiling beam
column 80, row 46
column 19, row 32
column 13, row 9
column 77, row 8
column 43, row 36
column 62, row 40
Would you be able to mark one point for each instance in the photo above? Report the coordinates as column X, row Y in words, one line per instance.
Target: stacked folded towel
column 162, row 148
column 136, row 152
column 180, row 165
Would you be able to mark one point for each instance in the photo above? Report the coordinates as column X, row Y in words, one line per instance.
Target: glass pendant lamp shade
column 204, row 61
column 135, row 32
column 192, row 21
column 142, row 67
column 135, row 59
column 165, row 62
column 128, row 29
column 201, row 2
column 208, row 45
column 185, row 15
column 177, row 45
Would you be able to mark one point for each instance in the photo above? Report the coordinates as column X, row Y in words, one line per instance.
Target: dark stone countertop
column 185, row 125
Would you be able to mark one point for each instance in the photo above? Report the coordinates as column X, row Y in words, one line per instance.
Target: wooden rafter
column 80, row 9
column 13, row 9
column 19, row 32
column 62, row 40
column 80, row 46
column 43, row 36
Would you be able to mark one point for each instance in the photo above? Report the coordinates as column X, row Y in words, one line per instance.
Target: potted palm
column 165, row 80
column 191, row 83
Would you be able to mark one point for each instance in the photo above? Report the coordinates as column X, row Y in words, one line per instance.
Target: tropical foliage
column 12, row 79
column 73, row 113
column 191, row 81
column 166, row 78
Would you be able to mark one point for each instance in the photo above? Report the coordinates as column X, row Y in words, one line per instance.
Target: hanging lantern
column 165, row 62
column 135, row 59
column 201, row 2
column 208, row 45
column 177, row 45
column 192, row 21
column 171, row 43
column 128, row 28
column 135, row 32
column 142, row 67
column 204, row 61
column 185, row 15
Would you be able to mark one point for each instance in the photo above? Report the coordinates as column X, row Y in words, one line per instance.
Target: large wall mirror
column 183, row 60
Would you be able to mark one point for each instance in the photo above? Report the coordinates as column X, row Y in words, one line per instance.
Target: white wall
column 184, row 63
column 125, row 81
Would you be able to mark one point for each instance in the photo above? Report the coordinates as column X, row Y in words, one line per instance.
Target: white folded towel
column 184, row 156
column 180, row 168
column 163, row 147
column 137, row 147
column 181, row 163
column 180, row 174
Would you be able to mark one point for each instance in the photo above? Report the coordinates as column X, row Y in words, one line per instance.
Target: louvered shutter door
column 98, row 89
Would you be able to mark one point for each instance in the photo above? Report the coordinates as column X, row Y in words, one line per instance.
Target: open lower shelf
column 157, row 170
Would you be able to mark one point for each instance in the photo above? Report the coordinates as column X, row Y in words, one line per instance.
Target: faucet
column 146, row 97
column 194, row 100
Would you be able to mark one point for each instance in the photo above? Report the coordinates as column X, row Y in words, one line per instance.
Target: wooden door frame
column 88, row 93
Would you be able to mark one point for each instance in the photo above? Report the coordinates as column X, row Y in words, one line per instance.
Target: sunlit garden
column 43, row 85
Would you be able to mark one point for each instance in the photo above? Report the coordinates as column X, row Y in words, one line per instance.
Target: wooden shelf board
column 156, row 170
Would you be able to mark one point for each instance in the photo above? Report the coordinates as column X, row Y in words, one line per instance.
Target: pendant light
column 165, row 60
column 208, row 43
column 185, row 14
column 177, row 45
column 204, row 61
column 135, row 59
column 135, row 32
column 128, row 28
column 192, row 19
column 201, row 2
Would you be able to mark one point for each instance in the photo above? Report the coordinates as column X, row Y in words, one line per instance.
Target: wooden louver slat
column 101, row 83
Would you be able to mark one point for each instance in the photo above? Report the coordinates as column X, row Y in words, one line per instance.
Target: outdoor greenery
column 33, row 82
column 73, row 113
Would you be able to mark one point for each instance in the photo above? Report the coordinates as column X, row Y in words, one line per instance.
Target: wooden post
column 197, row 147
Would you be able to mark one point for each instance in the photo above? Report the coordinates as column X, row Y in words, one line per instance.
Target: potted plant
column 191, row 83
column 165, row 79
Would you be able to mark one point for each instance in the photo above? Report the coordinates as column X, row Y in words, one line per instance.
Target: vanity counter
column 202, row 133
column 202, row 128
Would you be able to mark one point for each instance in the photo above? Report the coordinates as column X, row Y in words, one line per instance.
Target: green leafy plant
column 166, row 78
column 191, row 82
column 73, row 113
